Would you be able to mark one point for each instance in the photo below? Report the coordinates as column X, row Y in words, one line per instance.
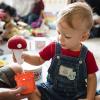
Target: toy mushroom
column 17, row 44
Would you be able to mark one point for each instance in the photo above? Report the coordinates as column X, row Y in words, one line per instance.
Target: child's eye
column 67, row 37
column 59, row 33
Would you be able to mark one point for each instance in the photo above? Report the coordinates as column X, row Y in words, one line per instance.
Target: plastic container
column 26, row 79
column 37, row 70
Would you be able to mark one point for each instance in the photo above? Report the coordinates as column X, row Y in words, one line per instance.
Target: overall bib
column 66, row 78
column 68, row 74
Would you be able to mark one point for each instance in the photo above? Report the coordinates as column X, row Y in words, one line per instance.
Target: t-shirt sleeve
column 91, row 63
column 48, row 52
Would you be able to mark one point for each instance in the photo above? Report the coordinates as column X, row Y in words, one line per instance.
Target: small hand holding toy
column 17, row 44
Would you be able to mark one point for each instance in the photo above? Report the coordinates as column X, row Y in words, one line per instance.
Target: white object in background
column 37, row 43
column 98, row 80
column 2, row 26
column 18, row 54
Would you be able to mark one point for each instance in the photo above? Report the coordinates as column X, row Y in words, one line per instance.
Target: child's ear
column 85, row 36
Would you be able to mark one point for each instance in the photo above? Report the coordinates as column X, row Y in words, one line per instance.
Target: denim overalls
column 68, row 75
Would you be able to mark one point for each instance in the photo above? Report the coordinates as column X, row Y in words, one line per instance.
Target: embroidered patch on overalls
column 67, row 72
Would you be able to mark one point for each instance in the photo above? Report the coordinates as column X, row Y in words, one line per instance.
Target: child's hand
column 25, row 56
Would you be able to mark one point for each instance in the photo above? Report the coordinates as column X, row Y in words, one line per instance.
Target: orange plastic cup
column 26, row 79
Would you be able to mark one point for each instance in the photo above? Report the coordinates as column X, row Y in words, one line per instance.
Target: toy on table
column 17, row 44
column 2, row 63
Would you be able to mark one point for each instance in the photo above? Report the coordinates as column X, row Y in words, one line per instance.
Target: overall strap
column 83, row 52
column 57, row 49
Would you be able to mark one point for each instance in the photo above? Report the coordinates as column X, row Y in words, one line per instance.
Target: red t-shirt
column 49, row 51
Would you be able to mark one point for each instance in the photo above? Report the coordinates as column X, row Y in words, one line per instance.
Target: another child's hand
column 11, row 94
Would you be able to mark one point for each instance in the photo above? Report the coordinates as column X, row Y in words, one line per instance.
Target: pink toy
column 17, row 44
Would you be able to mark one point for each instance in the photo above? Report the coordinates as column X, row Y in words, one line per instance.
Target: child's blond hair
column 82, row 11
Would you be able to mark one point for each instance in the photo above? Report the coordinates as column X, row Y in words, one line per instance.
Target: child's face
column 7, row 18
column 68, row 37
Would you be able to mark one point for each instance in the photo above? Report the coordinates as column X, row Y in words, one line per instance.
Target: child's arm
column 91, row 86
column 32, row 59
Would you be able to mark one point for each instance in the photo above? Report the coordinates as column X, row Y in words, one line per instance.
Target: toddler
column 71, row 75
column 10, row 27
